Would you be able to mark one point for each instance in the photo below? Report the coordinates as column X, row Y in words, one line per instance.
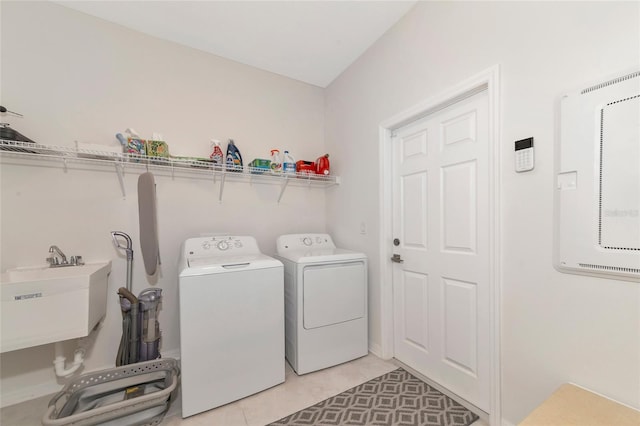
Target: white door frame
column 488, row 80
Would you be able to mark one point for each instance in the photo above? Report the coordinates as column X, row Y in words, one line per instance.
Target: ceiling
column 310, row 41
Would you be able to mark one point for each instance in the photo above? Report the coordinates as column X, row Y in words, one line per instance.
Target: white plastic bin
column 134, row 394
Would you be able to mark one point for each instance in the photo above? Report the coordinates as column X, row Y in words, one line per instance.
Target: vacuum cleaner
column 140, row 328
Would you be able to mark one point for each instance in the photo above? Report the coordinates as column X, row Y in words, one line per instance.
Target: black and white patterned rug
column 396, row 398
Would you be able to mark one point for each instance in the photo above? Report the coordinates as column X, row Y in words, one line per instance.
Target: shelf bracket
column 120, row 173
column 221, row 187
column 284, row 186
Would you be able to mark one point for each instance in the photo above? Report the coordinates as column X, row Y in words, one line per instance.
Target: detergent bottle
column 276, row 162
column 234, row 159
column 289, row 164
column 322, row 165
column 216, row 153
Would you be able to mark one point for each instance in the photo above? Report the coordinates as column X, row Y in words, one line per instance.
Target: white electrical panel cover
column 597, row 196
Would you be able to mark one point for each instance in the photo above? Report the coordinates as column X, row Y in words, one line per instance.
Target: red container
column 322, row 165
column 306, row 167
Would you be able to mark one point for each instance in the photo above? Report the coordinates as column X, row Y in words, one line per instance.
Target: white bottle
column 289, row 164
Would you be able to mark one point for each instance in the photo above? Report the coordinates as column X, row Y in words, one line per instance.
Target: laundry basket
column 134, row 394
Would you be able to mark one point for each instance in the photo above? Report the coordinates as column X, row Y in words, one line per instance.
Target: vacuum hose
column 128, row 349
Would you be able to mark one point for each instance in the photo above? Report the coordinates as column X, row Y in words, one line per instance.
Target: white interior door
column 441, row 223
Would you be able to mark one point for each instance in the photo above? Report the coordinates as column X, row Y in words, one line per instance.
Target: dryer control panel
column 219, row 246
column 304, row 241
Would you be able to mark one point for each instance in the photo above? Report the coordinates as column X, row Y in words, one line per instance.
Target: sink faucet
column 53, row 260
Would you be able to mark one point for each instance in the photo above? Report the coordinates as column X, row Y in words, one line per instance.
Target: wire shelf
column 170, row 165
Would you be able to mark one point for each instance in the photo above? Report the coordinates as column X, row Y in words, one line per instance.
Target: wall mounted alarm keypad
column 524, row 155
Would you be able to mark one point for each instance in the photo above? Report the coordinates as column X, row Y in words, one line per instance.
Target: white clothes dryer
column 325, row 302
column 231, row 321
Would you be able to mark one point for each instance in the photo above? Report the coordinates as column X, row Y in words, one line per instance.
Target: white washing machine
column 231, row 321
column 325, row 302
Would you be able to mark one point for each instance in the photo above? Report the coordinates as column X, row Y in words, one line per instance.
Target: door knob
column 396, row 258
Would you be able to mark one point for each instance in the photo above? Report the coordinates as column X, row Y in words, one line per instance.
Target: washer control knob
column 206, row 245
column 318, row 240
column 223, row 245
column 307, row 241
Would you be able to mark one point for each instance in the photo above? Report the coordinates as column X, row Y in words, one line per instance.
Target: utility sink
column 45, row 272
column 43, row 305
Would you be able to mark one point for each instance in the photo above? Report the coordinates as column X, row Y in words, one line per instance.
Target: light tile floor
column 296, row 393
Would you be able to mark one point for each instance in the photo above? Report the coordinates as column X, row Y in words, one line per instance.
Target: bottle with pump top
column 234, row 158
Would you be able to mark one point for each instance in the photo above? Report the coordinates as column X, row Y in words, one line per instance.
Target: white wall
column 556, row 327
column 75, row 77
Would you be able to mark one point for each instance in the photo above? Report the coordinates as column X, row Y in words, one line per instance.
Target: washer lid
column 321, row 255
column 225, row 264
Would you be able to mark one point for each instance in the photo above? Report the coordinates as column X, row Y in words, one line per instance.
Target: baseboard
column 376, row 349
column 29, row 393
column 174, row 353
column 52, row 386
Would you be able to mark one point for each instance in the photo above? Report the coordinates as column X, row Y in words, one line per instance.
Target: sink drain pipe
column 79, row 354
column 60, row 360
